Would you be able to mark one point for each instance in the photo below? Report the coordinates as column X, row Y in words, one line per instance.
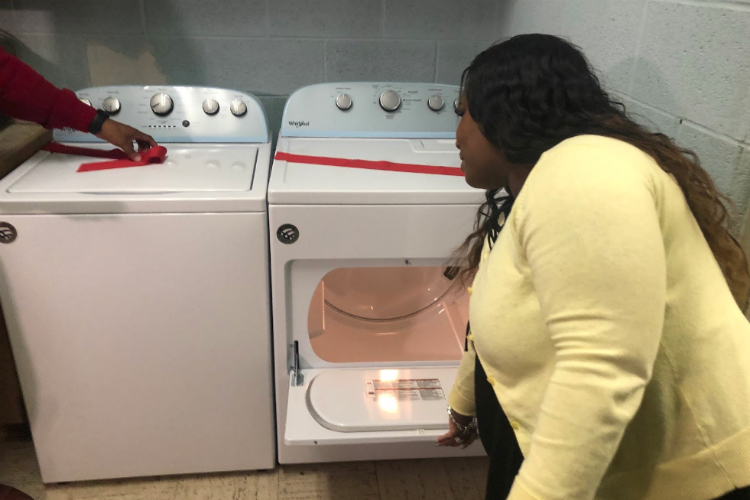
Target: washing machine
column 367, row 204
column 137, row 299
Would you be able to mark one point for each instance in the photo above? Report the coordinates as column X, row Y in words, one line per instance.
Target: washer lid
column 296, row 183
column 187, row 168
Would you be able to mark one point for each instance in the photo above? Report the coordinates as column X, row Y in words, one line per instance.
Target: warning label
column 426, row 389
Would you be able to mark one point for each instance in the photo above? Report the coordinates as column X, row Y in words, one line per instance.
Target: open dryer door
column 394, row 320
column 367, row 406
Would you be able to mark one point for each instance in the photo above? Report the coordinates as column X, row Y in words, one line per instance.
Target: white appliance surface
column 370, row 400
column 190, row 168
column 328, row 218
column 137, row 299
column 295, row 183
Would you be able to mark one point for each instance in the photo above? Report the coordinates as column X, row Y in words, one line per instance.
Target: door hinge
column 297, row 378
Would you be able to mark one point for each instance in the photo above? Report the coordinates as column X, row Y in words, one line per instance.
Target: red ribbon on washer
column 369, row 164
column 118, row 157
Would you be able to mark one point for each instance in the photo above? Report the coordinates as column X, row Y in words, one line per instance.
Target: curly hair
column 531, row 92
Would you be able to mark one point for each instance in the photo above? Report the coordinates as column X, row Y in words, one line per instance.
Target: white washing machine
column 137, row 299
column 369, row 323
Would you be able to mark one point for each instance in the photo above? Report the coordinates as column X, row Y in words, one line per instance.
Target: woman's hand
column 462, row 431
column 123, row 136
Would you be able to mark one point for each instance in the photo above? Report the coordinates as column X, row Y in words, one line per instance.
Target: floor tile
column 344, row 481
column 263, row 485
column 447, row 479
column 414, row 480
column 18, row 464
column 130, row 489
column 462, row 477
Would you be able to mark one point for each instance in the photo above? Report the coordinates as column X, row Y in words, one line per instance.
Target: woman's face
column 483, row 164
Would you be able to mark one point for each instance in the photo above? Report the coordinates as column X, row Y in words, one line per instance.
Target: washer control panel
column 362, row 109
column 178, row 114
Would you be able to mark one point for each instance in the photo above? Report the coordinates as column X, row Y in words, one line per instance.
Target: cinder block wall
column 683, row 66
column 266, row 47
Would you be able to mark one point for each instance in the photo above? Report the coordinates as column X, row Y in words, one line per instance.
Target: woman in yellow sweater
column 608, row 356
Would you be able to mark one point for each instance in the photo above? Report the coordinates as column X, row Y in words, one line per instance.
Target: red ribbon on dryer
column 369, row 164
column 118, row 157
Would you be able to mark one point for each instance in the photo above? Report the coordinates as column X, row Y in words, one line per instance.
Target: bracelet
column 96, row 124
column 463, row 429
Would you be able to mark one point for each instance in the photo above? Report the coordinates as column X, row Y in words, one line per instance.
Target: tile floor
column 449, row 479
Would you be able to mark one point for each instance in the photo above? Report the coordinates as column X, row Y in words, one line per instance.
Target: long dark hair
column 531, row 92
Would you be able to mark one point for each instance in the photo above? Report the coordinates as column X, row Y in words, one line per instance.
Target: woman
column 604, row 316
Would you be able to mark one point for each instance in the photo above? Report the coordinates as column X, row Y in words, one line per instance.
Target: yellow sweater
column 610, row 336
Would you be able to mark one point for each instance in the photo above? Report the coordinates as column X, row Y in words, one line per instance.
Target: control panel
column 361, row 109
column 178, row 114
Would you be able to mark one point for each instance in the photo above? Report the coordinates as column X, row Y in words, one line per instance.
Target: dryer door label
column 406, row 389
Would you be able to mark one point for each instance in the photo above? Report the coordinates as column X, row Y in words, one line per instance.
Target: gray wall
column 266, row 47
column 682, row 65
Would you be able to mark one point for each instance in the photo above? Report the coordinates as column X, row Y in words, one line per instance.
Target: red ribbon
column 118, row 157
column 369, row 164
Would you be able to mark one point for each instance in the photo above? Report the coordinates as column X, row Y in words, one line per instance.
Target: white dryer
column 137, row 299
column 366, row 206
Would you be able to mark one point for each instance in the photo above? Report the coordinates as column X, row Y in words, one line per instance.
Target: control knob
column 390, row 100
column 343, row 102
column 210, row 106
column 111, row 105
column 238, row 108
column 435, row 102
column 161, row 104
column 85, row 101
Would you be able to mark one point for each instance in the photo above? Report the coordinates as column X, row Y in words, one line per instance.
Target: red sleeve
column 26, row 95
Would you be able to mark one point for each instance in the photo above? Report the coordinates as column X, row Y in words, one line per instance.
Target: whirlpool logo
column 298, row 124
column 8, row 233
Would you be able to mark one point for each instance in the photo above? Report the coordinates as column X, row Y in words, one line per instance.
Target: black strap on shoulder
column 466, row 344
column 502, row 206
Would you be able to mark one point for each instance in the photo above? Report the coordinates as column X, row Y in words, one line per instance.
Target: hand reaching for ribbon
column 123, row 136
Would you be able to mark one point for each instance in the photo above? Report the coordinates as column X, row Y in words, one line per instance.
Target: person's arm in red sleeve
column 27, row 95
